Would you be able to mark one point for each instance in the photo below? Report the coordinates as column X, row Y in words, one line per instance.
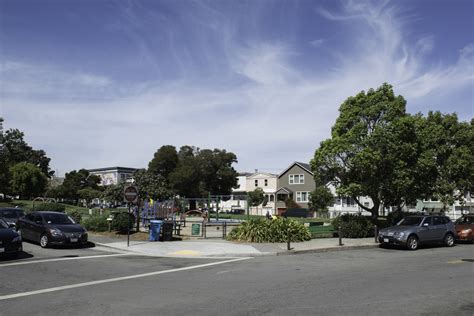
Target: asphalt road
column 430, row 281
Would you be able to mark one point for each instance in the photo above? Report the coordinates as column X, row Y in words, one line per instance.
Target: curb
column 261, row 254
column 322, row 250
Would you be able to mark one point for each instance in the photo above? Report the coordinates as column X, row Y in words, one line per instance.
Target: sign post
column 130, row 195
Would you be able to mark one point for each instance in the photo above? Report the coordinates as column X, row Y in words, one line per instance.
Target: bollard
column 376, row 233
column 340, row 235
column 288, row 247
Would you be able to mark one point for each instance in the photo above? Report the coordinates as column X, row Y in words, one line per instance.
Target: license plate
column 385, row 240
column 73, row 239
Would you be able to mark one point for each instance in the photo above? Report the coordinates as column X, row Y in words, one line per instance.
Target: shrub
column 96, row 223
column 76, row 216
column 263, row 230
column 121, row 221
column 50, row 207
column 353, row 226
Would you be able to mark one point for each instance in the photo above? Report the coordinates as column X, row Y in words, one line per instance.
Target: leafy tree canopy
column 27, row 180
column 379, row 151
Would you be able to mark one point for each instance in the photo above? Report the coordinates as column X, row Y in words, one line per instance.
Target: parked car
column 49, row 228
column 10, row 240
column 11, row 214
column 415, row 230
column 236, row 211
column 465, row 228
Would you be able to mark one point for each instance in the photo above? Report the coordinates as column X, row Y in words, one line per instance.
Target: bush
column 50, row 207
column 353, row 226
column 263, row 230
column 96, row 223
column 121, row 221
column 76, row 216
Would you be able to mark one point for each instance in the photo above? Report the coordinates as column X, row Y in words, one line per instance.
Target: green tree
column 164, row 161
column 256, row 197
column 218, row 177
column 151, row 185
column 352, row 159
column 320, row 199
column 450, row 144
column 114, row 193
column 75, row 181
column 13, row 150
column 88, row 194
column 27, row 180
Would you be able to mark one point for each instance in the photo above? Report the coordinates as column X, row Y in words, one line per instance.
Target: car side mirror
column 11, row 225
column 426, row 224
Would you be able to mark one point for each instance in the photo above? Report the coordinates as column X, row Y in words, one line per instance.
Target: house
column 113, row 175
column 268, row 183
column 296, row 183
column 238, row 198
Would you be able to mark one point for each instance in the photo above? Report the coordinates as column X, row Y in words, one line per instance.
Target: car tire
column 44, row 241
column 448, row 240
column 412, row 242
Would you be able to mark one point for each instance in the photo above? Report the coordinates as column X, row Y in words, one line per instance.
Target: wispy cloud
column 254, row 99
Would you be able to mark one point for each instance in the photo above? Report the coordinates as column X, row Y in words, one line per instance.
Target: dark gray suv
column 414, row 230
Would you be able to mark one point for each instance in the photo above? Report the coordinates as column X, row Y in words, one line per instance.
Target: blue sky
column 106, row 83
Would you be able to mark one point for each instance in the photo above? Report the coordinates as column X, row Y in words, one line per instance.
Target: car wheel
column 412, row 243
column 449, row 240
column 44, row 241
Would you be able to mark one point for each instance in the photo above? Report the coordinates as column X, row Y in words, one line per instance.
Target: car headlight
column 55, row 232
column 466, row 231
column 16, row 239
column 399, row 234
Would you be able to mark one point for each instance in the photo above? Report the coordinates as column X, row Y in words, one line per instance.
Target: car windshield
column 465, row 220
column 60, row 219
column 3, row 224
column 410, row 221
column 11, row 213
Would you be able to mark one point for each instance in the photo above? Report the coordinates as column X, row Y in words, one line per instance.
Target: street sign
column 130, row 194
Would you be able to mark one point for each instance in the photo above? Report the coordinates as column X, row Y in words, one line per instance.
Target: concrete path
column 222, row 248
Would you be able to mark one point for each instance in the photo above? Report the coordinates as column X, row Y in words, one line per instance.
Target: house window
column 302, row 196
column 266, row 182
column 272, row 198
column 296, row 178
column 256, row 183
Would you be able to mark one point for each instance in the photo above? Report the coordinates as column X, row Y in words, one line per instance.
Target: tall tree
column 27, row 180
column 352, row 159
column 13, row 150
column 75, row 181
column 320, row 199
column 151, row 185
column 164, row 161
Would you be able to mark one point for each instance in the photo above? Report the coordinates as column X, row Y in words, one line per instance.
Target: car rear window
column 465, row 220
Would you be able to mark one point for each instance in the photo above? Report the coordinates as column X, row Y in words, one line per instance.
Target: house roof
column 283, row 190
column 123, row 169
column 302, row 165
column 269, row 175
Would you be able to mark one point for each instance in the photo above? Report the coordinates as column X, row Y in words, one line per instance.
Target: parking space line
column 63, row 259
column 136, row 276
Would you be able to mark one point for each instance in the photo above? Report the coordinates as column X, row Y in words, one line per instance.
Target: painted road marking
column 136, row 276
column 455, row 262
column 185, row 253
column 63, row 259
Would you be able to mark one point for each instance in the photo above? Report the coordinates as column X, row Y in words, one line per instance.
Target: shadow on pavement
column 18, row 256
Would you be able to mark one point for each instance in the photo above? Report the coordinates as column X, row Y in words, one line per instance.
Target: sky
column 99, row 83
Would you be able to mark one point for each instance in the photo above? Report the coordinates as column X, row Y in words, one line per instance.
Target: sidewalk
column 221, row 248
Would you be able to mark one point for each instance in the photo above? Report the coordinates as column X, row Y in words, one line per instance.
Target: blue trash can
column 155, row 228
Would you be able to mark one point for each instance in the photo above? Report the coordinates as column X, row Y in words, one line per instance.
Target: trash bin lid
column 155, row 221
